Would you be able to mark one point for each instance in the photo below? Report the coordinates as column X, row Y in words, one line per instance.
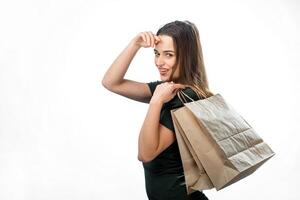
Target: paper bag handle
column 180, row 97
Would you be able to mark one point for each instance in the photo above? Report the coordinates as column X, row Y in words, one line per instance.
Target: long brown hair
column 189, row 57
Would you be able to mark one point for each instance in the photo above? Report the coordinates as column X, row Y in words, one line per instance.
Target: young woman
column 179, row 60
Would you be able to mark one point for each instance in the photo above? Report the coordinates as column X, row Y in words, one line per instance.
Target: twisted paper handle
column 181, row 95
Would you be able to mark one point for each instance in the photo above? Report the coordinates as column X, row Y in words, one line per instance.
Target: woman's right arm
column 113, row 79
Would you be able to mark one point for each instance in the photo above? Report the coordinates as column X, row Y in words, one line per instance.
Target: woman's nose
column 159, row 61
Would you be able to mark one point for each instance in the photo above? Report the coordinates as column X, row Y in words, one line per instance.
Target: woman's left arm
column 154, row 137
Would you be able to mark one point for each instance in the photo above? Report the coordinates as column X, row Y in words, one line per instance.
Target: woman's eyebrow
column 165, row 51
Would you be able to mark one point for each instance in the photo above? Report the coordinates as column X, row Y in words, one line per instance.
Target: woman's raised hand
column 146, row 39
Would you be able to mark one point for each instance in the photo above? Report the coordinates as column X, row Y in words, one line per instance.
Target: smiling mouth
column 163, row 72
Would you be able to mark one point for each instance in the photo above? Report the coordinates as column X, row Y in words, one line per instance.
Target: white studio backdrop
column 64, row 136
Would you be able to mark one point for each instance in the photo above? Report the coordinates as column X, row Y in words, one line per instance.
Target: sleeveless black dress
column 164, row 178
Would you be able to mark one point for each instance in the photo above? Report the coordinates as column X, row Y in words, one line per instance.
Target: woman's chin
column 164, row 78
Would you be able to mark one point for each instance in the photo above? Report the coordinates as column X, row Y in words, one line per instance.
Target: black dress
column 164, row 178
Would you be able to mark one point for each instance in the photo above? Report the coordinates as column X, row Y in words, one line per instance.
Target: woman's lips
column 163, row 72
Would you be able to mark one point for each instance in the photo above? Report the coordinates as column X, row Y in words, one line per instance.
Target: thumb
column 179, row 86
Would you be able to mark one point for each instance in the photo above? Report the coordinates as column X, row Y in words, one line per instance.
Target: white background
column 64, row 136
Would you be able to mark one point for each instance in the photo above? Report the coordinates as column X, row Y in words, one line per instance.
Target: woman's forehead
column 165, row 43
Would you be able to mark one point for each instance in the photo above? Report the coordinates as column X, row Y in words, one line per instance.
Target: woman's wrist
column 134, row 44
column 155, row 101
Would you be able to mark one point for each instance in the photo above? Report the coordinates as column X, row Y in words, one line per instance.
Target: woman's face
column 165, row 58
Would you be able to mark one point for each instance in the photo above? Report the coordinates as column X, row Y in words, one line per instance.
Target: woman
column 178, row 57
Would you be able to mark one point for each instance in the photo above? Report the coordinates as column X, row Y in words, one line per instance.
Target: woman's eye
column 167, row 54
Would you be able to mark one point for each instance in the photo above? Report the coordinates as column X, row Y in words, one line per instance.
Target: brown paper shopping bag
column 195, row 175
column 217, row 137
